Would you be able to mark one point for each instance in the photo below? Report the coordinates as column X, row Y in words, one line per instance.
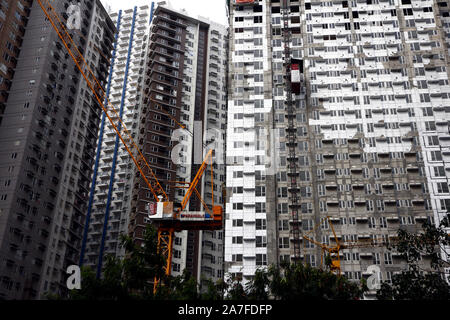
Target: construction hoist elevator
column 292, row 86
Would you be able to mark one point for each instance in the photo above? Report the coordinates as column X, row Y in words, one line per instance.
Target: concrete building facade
column 48, row 137
column 363, row 139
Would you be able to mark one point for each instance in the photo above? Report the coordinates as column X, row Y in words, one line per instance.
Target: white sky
column 212, row 9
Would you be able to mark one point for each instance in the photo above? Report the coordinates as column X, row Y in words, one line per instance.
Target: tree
column 299, row 281
column 129, row 278
column 235, row 289
column 214, row 290
column 296, row 282
column 257, row 289
column 133, row 276
column 183, row 287
column 417, row 283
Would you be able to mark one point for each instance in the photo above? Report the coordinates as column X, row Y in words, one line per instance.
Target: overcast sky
column 212, row 9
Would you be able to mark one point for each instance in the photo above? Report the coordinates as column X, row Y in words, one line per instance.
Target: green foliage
column 414, row 283
column 257, row 289
column 298, row 281
column 130, row 278
column 183, row 287
column 294, row 282
column 214, row 290
column 235, row 290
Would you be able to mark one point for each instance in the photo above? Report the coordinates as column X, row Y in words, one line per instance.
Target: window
column 436, row 155
column 323, row 206
column 283, row 225
column 260, row 191
column 238, row 189
column 380, row 205
column 237, row 240
column 282, row 208
column 442, row 187
column 372, row 223
column 238, row 222
column 260, row 207
column 177, row 254
column 376, row 258
column 306, row 207
column 238, row 206
column 445, row 204
column 439, row 171
column 430, row 126
column 387, row 258
column 408, row 220
column 236, row 257
column 308, row 224
column 383, row 222
column 433, row 140
column 389, row 277
column 283, row 243
column 261, row 241
column 321, row 189
column 407, row 11
column 238, row 174
column 261, row 259
column 310, row 259
column 261, row 224
column 282, row 192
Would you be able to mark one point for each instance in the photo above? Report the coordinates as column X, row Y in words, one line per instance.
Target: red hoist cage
column 161, row 212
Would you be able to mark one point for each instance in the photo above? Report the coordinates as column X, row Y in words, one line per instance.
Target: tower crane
column 334, row 250
column 161, row 212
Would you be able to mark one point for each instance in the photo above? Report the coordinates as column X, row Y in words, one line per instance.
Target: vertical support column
column 165, row 247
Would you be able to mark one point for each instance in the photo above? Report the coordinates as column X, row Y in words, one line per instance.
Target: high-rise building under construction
column 339, row 109
column 185, row 87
